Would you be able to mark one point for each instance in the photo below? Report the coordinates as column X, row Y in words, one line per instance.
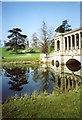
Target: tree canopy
column 64, row 27
column 16, row 39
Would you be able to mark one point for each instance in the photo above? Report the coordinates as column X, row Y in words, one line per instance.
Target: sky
column 29, row 16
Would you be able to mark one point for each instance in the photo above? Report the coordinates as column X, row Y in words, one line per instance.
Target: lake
column 19, row 80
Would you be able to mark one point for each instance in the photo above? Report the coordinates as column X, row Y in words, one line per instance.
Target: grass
column 10, row 53
column 36, row 50
column 12, row 56
column 32, row 57
column 0, row 110
column 43, row 106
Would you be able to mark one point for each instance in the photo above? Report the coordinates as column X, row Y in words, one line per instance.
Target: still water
column 20, row 80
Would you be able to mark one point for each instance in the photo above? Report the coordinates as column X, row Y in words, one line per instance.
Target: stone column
column 55, row 45
column 60, row 45
column 64, row 43
column 71, row 42
column 75, row 41
column 67, row 43
column 79, row 40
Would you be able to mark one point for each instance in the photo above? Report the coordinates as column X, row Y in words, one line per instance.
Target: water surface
column 20, row 80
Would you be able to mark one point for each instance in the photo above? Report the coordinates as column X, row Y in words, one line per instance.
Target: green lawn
column 12, row 56
column 10, row 53
column 32, row 57
column 66, row 105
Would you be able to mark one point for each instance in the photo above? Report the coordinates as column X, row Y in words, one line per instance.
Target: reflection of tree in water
column 35, row 73
column 18, row 78
column 47, row 78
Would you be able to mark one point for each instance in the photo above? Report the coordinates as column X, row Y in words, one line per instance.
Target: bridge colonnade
column 71, row 40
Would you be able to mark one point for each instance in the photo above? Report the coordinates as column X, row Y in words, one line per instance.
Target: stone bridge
column 67, row 46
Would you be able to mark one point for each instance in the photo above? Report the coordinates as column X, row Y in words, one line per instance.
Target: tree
column 34, row 40
column 45, row 38
column 64, row 27
column 16, row 39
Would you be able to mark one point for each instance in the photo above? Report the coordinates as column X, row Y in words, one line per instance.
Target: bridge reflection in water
column 65, row 78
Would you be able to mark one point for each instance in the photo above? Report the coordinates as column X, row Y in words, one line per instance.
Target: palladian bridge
column 67, row 46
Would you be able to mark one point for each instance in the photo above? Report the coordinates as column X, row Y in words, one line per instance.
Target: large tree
column 16, row 39
column 64, row 27
column 45, row 38
column 35, row 40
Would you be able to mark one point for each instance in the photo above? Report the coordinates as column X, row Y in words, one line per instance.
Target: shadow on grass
column 18, row 53
column 33, row 52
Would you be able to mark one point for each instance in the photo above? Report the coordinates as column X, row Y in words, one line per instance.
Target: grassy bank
column 43, row 106
column 19, row 66
column 0, row 110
